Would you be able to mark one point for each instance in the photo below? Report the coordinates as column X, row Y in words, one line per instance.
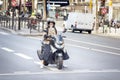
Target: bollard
column 39, row 25
column 9, row 23
column 105, row 28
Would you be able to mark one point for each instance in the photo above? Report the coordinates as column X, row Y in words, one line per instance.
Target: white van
column 80, row 22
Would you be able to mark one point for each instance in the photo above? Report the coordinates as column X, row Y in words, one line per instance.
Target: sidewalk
column 26, row 32
column 114, row 33
column 59, row 25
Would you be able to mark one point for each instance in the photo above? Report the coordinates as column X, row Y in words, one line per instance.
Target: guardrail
column 25, row 23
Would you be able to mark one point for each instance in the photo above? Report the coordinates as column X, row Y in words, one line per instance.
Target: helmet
column 50, row 21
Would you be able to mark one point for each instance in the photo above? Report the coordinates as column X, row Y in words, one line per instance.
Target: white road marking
column 52, row 69
column 37, row 62
column 84, row 43
column 7, row 49
column 61, row 72
column 103, row 51
column 23, row 56
column 93, row 49
column 77, row 46
column 93, row 44
column 35, row 38
column 21, row 72
column 4, row 33
column 98, row 50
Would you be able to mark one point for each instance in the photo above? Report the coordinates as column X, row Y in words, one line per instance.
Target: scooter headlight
column 60, row 42
column 59, row 46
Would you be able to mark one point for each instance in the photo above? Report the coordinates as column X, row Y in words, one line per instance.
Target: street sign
column 14, row 3
column 59, row 2
column 104, row 11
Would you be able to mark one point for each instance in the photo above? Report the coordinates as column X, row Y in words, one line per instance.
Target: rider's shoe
column 41, row 66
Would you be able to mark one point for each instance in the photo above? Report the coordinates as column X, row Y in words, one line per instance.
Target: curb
column 106, row 35
column 40, row 34
column 8, row 30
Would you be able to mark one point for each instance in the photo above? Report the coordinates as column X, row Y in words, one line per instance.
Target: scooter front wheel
column 60, row 62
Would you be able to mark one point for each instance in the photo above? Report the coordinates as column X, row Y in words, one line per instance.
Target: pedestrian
column 106, row 24
column 56, row 15
column 51, row 31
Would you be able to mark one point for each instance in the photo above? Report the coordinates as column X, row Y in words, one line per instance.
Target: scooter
column 54, row 55
column 32, row 24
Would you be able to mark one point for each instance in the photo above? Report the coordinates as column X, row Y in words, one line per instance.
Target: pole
column 13, row 13
column 44, row 11
column 110, row 14
column 32, row 5
column 19, row 15
column 96, row 21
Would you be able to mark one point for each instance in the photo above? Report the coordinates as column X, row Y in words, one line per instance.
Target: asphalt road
column 91, row 58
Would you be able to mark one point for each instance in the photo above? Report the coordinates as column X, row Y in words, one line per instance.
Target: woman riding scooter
column 50, row 32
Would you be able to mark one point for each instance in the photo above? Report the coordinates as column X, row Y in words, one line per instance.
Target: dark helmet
column 50, row 21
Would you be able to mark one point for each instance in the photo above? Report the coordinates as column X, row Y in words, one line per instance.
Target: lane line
column 85, row 71
column 93, row 44
column 93, row 49
column 84, row 43
column 7, row 49
column 37, row 62
column 103, row 51
column 23, row 56
column 77, row 46
column 21, row 72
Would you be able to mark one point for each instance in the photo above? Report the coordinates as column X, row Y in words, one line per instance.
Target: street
column 92, row 57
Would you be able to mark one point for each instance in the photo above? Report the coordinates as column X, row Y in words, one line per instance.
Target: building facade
column 84, row 6
column 75, row 5
column 116, row 9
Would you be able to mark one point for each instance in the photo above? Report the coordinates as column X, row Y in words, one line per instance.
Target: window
column 83, row 0
column 74, row 0
column 79, row 0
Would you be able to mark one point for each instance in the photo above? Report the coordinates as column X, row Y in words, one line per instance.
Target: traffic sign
column 14, row 3
column 104, row 11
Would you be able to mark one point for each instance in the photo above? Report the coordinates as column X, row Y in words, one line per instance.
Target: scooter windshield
column 59, row 39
